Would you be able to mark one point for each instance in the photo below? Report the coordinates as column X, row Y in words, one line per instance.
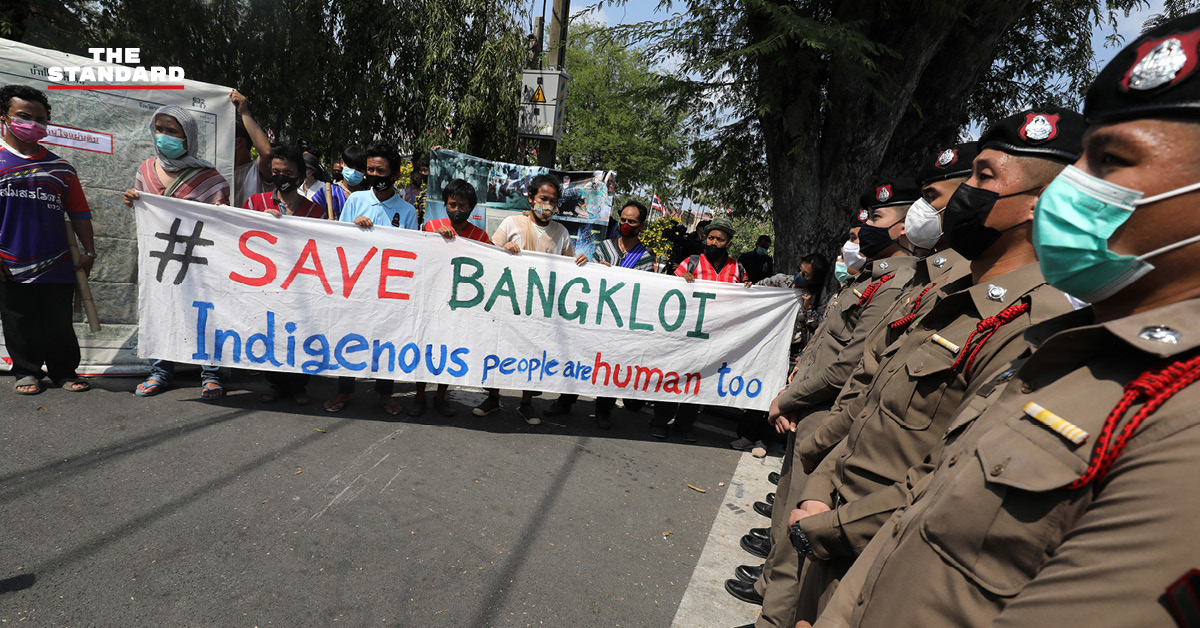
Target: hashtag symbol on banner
column 185, row 259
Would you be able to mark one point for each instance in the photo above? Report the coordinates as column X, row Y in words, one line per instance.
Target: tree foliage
column 800, row 104
column 417, row 73
column 609, row 121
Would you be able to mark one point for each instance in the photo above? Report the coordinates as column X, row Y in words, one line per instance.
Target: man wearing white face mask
column 1066, row 496
column 823, row 369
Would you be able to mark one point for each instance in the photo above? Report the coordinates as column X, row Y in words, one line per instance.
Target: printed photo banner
column 241, row 289
column 502, row 190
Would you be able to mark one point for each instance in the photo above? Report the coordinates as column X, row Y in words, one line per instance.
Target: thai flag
column 657, row 205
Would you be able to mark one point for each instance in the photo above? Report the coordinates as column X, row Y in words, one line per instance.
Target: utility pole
column 557, row 59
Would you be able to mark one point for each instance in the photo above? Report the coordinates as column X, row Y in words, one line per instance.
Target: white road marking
column 705, row 602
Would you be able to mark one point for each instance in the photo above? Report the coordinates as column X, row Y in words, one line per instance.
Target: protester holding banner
column 176, row 170
column 251, row 176
column 534, row 230
column 460, row 201
column 353, row 167
column 625, row 250
column 38, row 189
column 712, row 265
column 287, row 173
column 381, row 205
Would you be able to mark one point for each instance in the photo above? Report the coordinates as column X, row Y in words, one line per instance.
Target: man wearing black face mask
column 287, row 173
column 821, row 372
column 957, row 344
column 379, row 204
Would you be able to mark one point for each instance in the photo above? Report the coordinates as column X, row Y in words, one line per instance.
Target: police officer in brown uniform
column 941, row 272
column 850, row 292
column 1064, row 491
column 921, row 378
column 823, row 369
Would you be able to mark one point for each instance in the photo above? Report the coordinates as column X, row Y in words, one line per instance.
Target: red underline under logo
column 90, row 87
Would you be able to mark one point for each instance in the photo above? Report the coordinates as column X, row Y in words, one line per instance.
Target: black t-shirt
column 759, row 267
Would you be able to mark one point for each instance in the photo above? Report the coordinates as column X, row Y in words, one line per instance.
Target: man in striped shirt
column 627, row 251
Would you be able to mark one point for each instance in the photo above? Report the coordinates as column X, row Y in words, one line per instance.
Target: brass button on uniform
column 862, row 599
column 896, row 530
column 953, row 460
column 997, row 470
column 1027, row 388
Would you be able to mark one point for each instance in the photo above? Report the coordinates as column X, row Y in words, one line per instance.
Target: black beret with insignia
column 1154, row 75
column 1051, row 133
column 948, row 163
column 902, row 191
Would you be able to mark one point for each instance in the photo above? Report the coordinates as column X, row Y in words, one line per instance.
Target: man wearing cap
column 1061, row 489
column 918, row 381
column 314, row 178
column 714, row 264
column 822, row 370
column 940, row 273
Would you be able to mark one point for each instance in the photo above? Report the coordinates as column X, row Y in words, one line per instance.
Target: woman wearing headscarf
column 177, row 171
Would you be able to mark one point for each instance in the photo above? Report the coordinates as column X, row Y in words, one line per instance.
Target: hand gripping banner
column 242, row 289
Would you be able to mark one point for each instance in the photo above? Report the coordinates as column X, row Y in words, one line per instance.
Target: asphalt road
column 172, row 511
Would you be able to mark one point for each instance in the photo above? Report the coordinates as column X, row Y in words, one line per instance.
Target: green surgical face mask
column 840, row 271
column 169, row 145
column 1075, row 216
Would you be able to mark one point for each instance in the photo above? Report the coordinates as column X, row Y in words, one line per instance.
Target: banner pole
column 85, row 290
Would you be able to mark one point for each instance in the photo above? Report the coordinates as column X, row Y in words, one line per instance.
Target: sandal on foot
column 211, row 390
column 73, row 384
column 152, row 387
column 300, row 399
column 337, row 404
column 28, row 380
column 390, row 406
column 269, row 397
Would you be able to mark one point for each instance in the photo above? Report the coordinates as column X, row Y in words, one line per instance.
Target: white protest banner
column 105, row 133
column 243, row 289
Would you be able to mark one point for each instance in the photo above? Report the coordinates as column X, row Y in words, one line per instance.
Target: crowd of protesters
column 285, row 180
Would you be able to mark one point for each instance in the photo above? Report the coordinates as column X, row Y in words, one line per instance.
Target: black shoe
column 743, row 591
column 658, row 432
column 771, row 498
column 688, row 436
column 526, row 411
column 559, row 408
column 756, row 546
column 489, row 405
column 748, row 574
column 773, row 478
column 762, row 533
column 603, row 421
column 633, row 405
column 416, row 407
column 443, row 407
column 763, row 508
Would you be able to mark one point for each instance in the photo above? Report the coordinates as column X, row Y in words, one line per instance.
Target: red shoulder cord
column 987, row 326
column 870, row 290
column 907, row 319
column 1154, row 387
